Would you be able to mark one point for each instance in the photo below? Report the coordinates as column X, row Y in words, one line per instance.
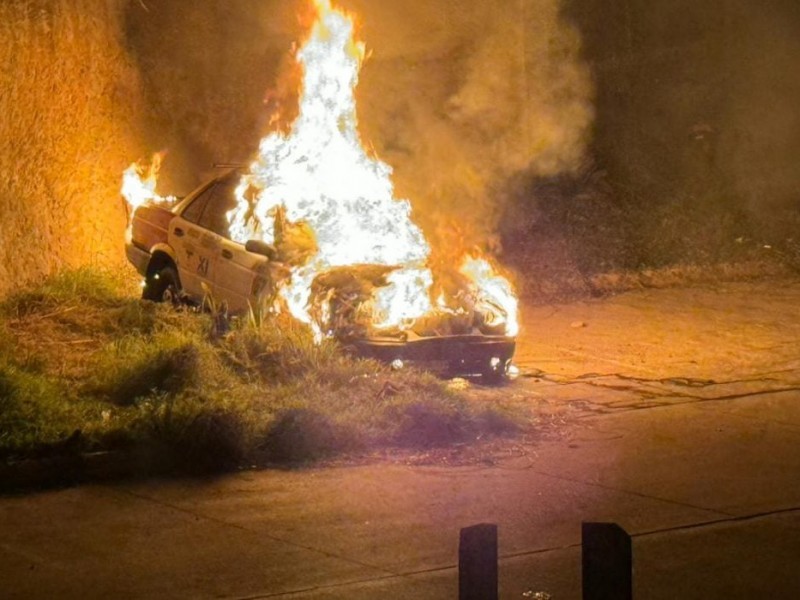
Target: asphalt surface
column 675, row 413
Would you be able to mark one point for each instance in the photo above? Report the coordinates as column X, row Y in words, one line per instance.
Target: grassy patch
column 33, row 412
column 84, row 365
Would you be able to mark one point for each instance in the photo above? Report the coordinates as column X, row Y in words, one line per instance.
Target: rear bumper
column 452, row 355
column 138, row 258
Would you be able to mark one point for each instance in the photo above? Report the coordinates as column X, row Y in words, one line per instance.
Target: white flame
column 321, row 174
column 139, row 183
column 493, row 291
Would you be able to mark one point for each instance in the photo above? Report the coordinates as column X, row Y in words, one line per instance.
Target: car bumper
column 138, row 258
column 449, row 355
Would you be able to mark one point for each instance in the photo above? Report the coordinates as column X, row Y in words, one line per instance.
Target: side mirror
column 261, row 247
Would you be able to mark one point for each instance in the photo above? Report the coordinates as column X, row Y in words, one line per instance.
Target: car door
column 195, row 248
column 238, row 275
column 241, row 276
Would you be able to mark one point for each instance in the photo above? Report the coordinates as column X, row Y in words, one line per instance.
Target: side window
column 221, row 201
column 194, row 211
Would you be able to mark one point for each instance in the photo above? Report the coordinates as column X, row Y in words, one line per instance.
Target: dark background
column 693, row 154
column 697, row 118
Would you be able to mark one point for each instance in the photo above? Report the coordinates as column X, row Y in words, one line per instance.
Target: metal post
column 477, row 563
column 607, row 562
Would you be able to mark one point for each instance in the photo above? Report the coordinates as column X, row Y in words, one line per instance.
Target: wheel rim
column 170, row 295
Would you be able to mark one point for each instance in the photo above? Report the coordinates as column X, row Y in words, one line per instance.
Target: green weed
column 135, row 375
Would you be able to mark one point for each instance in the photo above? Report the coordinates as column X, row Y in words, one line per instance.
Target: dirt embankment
column 69, row 102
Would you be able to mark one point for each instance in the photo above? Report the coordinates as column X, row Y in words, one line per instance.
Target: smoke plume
column 456, row 98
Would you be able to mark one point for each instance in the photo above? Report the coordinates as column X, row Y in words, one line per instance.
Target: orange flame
column 494, row 294
column 139, row 183
column 319, row 174
column 139, row 187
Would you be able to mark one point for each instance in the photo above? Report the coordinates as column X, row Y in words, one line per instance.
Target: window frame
column 203, row 198
column 229, row 183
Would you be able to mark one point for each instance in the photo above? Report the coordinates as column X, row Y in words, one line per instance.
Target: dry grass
column 574, row 236
column 68, row 110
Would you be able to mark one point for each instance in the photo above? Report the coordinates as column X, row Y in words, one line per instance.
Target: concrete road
column 675, row 413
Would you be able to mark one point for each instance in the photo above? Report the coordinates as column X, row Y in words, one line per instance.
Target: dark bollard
column 477, row 563
column 607, row 562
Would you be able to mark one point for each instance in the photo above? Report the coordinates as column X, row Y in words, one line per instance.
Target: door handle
column 227, row 254
column 178, row 231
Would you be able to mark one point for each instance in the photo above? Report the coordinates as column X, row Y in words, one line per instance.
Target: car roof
column 186, row 200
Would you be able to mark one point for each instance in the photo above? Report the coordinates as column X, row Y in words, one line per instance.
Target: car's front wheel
column 163, row 286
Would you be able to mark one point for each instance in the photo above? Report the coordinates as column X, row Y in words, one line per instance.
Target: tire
column 163, row 286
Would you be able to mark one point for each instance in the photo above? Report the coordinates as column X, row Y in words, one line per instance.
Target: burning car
column 312, row 227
